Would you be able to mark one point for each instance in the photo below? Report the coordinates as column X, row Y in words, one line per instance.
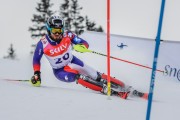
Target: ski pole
column 125, row 61
column 84, row 49
column 16, row 80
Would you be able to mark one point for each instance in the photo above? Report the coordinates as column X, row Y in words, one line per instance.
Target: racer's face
column 56, row 33
column 56, row 36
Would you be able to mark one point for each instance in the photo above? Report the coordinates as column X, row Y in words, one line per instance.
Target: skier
column 57, row 46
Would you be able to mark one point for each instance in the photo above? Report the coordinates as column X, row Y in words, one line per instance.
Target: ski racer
column 57, row 47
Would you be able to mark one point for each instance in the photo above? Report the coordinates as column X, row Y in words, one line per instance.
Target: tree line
column 69, row 10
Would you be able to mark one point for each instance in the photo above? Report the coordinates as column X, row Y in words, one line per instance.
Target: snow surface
column 56, row 100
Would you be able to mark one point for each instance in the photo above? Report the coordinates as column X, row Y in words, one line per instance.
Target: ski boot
column 116, row 90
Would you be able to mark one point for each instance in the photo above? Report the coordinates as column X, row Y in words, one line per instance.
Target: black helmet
column 54, row 22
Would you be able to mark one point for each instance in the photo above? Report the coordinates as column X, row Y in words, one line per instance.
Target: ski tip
column 145, row 96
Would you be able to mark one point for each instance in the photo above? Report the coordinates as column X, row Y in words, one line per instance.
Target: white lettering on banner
column 58, row 49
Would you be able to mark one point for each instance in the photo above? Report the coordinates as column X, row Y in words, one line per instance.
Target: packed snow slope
column 56, row 100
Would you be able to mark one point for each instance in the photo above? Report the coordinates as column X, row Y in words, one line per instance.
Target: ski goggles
column 56, row 30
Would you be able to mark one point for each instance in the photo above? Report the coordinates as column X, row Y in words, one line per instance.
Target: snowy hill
column 56, row 100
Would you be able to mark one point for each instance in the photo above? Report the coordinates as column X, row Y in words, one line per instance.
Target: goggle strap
column 47, row 26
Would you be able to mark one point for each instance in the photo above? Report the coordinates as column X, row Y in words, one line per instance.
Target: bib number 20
column 60, row 60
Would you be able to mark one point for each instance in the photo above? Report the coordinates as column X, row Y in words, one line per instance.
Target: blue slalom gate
column 158, row 37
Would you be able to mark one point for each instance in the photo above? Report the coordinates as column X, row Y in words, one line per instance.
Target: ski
column 128, row 94
column 140, row 94
column 118, row 88
column 123, row 91
column 123, row 95
column 16, row 80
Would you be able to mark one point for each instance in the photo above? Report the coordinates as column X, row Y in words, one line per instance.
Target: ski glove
column 81, row 48
column 36, row 79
